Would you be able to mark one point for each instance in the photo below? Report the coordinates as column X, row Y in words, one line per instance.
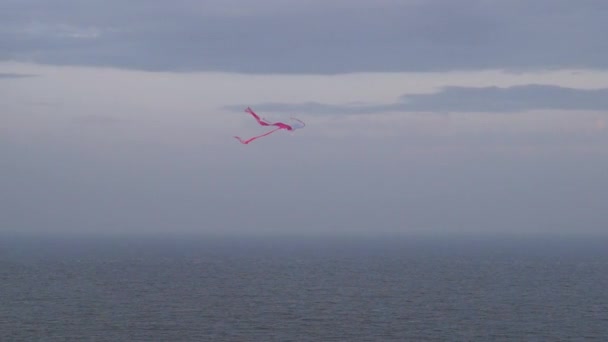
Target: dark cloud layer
column 268, row 37
column 466, row 99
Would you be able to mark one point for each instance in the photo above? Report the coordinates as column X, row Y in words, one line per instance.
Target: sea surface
column 303, row 289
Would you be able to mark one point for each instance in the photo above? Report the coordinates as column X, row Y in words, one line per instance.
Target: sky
column 423, row 117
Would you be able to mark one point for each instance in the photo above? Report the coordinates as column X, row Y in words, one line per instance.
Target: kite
column 279, row 125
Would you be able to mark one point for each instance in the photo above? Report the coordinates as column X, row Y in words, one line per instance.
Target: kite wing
column 298, row 124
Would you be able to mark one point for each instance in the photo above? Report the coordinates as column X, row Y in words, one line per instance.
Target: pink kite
column 280, row 125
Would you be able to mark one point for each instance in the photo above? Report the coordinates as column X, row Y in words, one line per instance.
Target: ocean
column 303, row 289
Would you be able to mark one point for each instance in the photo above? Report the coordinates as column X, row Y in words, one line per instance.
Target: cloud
column 509, row 99
column 465, row 99
column 99, row 120
column 13, row 75
column 59, row 31
column 314, row 37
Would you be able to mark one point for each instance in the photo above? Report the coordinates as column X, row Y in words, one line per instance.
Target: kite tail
column 257, row 118
column 245, row 142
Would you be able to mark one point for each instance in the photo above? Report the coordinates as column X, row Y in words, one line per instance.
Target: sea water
column 303, row 289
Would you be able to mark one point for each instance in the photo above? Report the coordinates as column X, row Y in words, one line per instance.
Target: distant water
column 303, row 289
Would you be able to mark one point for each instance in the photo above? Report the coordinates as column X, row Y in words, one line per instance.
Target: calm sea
column 306, row 289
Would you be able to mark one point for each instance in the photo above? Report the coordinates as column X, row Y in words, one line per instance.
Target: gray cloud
column 269, row 37
column 99, row 120
column 13, row 75
column 465, row 99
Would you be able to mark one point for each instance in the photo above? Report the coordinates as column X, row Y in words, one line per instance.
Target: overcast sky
column 466, row 116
